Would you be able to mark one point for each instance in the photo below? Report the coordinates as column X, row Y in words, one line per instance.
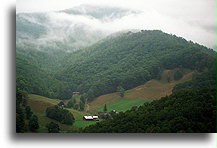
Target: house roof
column 88, row 117
column 91, row 117
column 95, row 117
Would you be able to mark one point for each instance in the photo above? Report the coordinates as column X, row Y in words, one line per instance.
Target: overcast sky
column 191, row 19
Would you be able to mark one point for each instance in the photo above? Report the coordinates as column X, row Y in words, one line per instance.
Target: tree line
column 186, row 111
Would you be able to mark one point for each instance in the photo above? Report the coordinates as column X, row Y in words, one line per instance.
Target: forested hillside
column 91, row 68
column 128, row 60
column 207, row 79
column 184, row 111
column 31, row 77
column 191, row 108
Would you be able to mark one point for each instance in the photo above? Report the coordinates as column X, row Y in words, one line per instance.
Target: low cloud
column 193, row 20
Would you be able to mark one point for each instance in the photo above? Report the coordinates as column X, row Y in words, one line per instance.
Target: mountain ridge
column 127, row 59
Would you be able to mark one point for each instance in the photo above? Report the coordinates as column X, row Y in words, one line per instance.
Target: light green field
column 82, row 124
column 123, row 105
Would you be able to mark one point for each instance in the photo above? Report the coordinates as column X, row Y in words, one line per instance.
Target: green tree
column 20, row 123
column 28, row 112
column 82, row 105
column 59, row 114
column 105, row 108
column 178, row 75
column 90, row 94
column 84, row 98
column 33, row 123
column 121, row 91
column 71, row 103
column 61, row 103
column 68, row 118
column 53, row 127
column 20, row 114
column 76, row 106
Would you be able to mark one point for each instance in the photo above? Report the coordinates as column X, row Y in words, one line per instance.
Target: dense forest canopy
column 127, row 60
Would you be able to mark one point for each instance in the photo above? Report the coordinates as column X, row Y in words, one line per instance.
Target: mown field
column 123, row 105
column 151, row 90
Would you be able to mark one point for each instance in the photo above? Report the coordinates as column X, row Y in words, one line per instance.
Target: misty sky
column 191, row 19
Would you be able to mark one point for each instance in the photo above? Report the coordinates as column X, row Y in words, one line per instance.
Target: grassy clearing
column 155, row 89
column 82, row 124
column 151, row 90
column 123, row 105
column 102, row 100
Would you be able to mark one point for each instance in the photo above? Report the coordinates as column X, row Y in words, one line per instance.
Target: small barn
column 88, row 118
column 91, row 118
column 96, row 118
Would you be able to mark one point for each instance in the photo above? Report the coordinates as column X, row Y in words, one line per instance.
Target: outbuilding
column 91, row 118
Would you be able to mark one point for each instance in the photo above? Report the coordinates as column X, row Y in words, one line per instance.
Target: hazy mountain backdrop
column 150, row 80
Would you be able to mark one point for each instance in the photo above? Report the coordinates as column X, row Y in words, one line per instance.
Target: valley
column 133, row 97
column 71, row 64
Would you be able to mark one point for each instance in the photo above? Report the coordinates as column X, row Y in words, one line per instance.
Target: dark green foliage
column 178, row 74
column 121, row 91
column 129, row 60
column 126, row 60
column 76, row 106
column 32, row 78
column 84, row 98
column 21, row 97
column 71, row 103
column 53, row 127
column 134, row 108
column 20, row 122
column 33, row 123
column 184, row 111
column 105, row 108
column 28, row 112
column 90, row 94
column 61, row 103
column 207, row 79
column 81, row 106
column 60, row 114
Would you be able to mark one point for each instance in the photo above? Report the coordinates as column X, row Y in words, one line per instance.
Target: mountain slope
column 129, row 60
column 31, row 78
column 44, row 39
column 151, row 90
column 182, row 112
column 126, row 59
